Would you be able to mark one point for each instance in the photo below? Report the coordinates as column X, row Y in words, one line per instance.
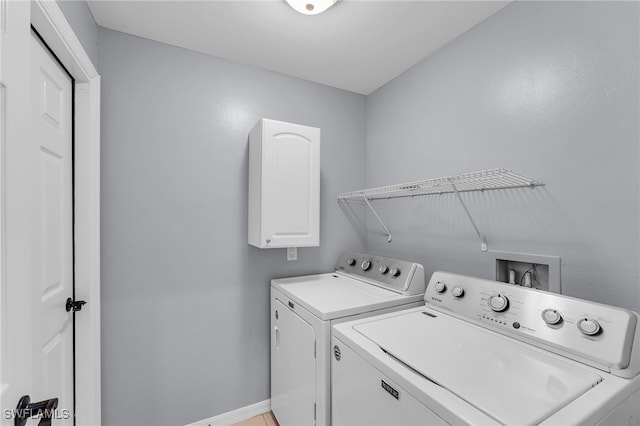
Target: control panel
column 599, row 335
column 396, row 275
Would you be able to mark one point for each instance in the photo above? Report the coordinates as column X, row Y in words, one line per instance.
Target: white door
column 51, row 106
column 284, row 185
column 292, row 180
column 36, row 223
column 293, row 367
column 47, row 239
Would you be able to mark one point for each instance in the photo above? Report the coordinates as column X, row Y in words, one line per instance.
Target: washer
column 303, row 309
column 484, row 352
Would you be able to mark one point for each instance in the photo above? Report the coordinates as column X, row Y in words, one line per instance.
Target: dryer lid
column 512, row 382
column 335, row 295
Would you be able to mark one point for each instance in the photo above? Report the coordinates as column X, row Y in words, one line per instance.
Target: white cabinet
column 293, row 366
column 284, row 185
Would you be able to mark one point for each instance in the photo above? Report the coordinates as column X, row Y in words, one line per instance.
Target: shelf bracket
column 483, row 240
column 379, row 220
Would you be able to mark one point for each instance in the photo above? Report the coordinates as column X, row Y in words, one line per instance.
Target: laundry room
column 457, row 144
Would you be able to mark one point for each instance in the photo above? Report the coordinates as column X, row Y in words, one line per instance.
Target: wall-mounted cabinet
column 284, row 185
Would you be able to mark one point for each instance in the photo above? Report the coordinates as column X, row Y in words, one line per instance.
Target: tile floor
column 266, row 419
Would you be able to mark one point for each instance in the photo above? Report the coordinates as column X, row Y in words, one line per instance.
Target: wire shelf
column 476, row 181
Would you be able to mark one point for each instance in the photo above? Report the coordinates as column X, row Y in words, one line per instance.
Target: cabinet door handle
column 277, row 337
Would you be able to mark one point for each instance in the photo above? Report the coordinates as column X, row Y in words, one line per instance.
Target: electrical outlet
column 292, row 253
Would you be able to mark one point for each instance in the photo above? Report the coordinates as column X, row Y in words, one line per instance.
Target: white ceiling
column 357, row 45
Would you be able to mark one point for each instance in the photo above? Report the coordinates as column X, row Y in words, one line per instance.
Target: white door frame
column 47, row 18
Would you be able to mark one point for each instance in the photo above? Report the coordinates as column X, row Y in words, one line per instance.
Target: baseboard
column 235, row 416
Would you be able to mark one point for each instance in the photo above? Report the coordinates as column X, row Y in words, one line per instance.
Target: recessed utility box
column 528, row 270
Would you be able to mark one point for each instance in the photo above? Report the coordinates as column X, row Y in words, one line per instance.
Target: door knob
column 74, row 306
column 26, row 409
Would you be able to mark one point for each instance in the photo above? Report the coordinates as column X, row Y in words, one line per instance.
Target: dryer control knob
column 498, row 302
column 351, row 261
column 395, row 272
column 365, row 265
column 383, row 269
column 440, row 287
column 457, row 291
column 589, row 327
column 551, row 316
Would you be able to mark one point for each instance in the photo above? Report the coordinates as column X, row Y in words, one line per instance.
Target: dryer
column 303, row 309
column 490, row 353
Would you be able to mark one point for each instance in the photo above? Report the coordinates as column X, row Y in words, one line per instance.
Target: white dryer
column 487, row 353
column 303, row 309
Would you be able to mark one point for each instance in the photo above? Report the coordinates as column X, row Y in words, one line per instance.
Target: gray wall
column 185, row 299
column 548, row 89
column 84, row 26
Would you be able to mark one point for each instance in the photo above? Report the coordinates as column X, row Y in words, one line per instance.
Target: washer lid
column 510, row 381
column 334, row 295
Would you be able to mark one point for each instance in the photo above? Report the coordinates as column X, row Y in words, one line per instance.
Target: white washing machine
column 303, row 309
column 487, row 353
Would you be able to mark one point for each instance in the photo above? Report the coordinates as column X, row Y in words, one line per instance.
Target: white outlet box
column 292, row 253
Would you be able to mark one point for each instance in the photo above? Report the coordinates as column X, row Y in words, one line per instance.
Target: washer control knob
column 457, row 291
column 365, row 265
column 551, row 316
column 351, row 261
column 440, row 287
column 383, row 269
column 498, row 302
column 395, row 272
column 589, row 326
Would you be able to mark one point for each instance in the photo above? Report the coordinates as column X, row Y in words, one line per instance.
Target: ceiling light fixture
column 311, row 7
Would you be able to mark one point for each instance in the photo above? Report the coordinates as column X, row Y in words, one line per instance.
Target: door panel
column 292, row 184
column 51, row 104
column 293, row 372
column 51, row 184
column 361, row 395
column 292, row 194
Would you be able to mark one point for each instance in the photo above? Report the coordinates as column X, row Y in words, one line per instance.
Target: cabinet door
column 291, row 185
column 293, row 372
